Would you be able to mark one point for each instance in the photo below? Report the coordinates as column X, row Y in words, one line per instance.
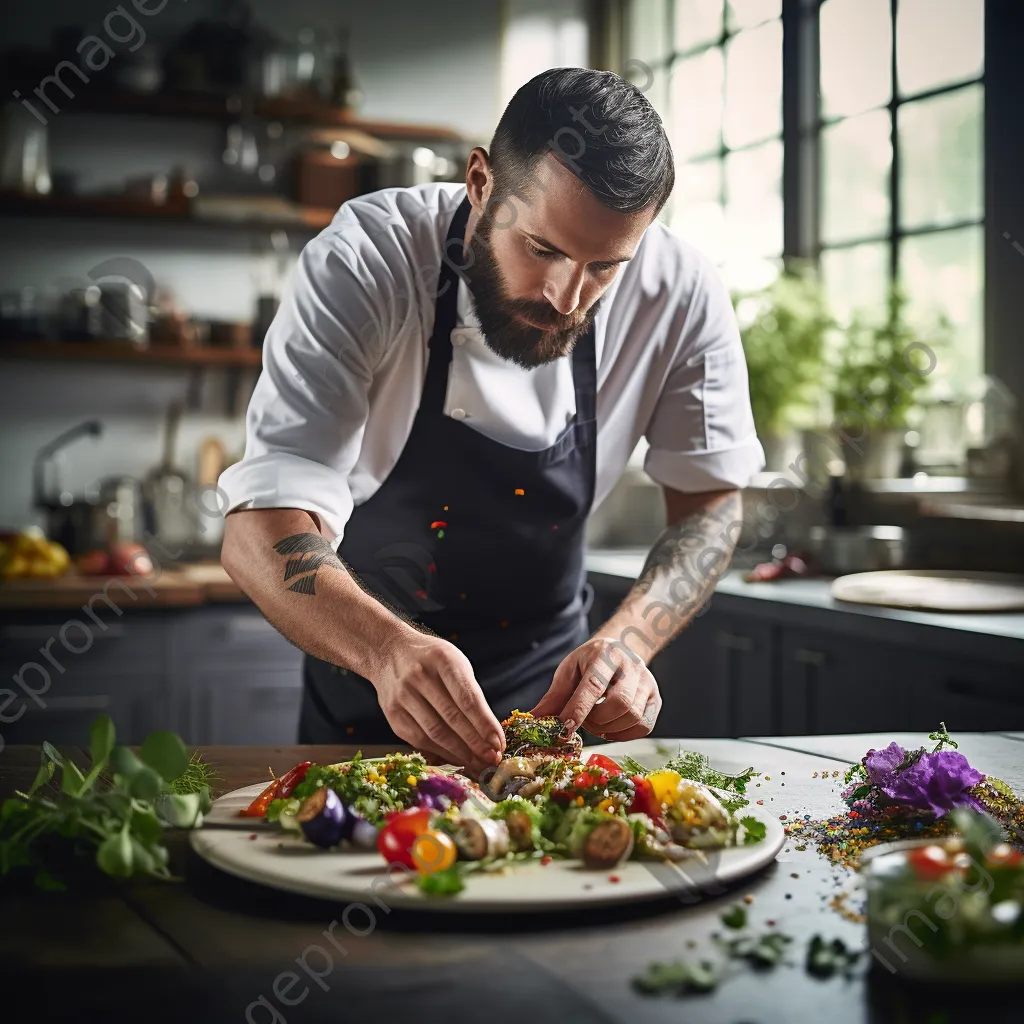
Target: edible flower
column 936, row 782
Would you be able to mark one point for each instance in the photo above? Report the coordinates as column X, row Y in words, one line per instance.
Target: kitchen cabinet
column 753, row 666
column 213, row 674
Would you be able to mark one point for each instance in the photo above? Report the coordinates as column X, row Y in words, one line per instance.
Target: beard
column 505, row 335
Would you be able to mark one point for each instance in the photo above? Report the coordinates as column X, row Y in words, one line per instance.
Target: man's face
column 541, row 263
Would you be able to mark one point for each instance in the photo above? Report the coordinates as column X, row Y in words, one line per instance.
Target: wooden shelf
column 223, row 108
column 125, row 352
column 18, row 204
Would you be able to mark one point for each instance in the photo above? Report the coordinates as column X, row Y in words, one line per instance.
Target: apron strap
column 439, row 358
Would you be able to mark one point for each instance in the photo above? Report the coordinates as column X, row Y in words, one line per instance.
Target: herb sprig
column 114, row 815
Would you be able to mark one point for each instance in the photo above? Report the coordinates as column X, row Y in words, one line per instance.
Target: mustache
column 542, row 314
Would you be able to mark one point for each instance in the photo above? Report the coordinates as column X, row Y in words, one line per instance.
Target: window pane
column 856, row 157
column 856, row 279
column 647, row 31
column 697, row 105
column 939, row 42
column 943, row 274
column 856, row 56
column 941, row 158
column 698, row 22
column 699, row 217
column 748, row 13
column 753, row 211
column 753, row 85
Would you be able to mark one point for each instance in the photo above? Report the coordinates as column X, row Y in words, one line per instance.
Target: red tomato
column 582, row 781
column 396, row 838
column 606, row 764
column 644, row 800
column 929, row 862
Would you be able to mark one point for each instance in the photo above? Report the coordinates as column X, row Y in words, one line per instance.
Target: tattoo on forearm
column 314, row 552
column 698, row 548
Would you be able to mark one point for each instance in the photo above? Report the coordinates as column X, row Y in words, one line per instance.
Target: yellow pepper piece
column 666, row 786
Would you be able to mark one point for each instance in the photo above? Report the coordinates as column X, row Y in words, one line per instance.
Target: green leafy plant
column 783, row 330
column 881, row 371
column 113, row 817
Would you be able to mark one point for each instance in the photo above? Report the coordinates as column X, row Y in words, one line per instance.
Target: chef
column 456, row 377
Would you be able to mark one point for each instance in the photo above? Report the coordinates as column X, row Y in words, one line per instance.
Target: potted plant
column 783, row 330
column 879, row 376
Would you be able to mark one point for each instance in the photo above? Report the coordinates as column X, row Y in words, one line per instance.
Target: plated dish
column 552, row 825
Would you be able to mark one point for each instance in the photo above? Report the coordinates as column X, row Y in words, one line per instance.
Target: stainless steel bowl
column 846, row 549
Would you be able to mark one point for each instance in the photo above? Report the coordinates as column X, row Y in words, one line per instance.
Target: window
column 715, row 74
column 878, row 173
column 901, row 156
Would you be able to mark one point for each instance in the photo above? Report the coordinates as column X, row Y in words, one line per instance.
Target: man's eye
column 544, row 254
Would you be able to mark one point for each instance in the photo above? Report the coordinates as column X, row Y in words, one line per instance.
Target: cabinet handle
column 41, row 634
column 66, row 704
column 734, row 641
column 804, row 656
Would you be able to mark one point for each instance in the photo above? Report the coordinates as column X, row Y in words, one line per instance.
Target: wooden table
column 217, row 948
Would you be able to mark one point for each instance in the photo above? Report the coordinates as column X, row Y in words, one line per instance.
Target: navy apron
column 478, row 542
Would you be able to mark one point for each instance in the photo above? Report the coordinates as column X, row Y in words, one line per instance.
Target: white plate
column 283, row 861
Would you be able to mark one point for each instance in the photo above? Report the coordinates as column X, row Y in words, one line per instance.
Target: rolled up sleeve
column 305, row 422
column 701, row 434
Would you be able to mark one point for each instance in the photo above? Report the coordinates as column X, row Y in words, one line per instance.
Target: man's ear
column 479, row 179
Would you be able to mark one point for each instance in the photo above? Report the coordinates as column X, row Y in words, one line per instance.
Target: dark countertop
column 213, row 946
column 815, row 594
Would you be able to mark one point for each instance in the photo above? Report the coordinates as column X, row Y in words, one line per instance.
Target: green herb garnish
column 754, row 830
column 824, row 959
column 691, row 764
column 735, row 917
column 678, row 978
column 118, row 825
column 441, row 883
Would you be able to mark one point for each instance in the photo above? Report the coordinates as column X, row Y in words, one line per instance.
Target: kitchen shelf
column 291, row 216
column 227, row 108
column 125, row 352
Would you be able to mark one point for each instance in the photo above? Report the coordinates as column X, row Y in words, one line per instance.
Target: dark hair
column 601, row 127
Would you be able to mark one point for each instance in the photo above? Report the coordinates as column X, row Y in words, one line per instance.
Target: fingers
column 481, row 730
column 624, row 699
column 597, row 675
column 435, row 733
column 563, row 683
column 640, row 728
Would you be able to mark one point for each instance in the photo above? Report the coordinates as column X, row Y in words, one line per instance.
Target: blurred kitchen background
column 852, row 166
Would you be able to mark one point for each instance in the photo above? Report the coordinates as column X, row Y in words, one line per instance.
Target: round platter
column 266, row 855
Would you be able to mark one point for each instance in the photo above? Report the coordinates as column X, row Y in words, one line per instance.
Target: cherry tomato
column 396, row 838
column 582, row 781
column 606, row 764
column 929, row 862
column 1004, row 856
column 433, row 851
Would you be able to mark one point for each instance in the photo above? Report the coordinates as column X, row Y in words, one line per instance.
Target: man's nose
column 562, row 289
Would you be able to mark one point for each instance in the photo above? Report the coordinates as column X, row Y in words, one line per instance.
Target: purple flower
column 936, row 782
column 882, row 763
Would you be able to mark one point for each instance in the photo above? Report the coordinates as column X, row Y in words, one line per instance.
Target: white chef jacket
column 345, row 359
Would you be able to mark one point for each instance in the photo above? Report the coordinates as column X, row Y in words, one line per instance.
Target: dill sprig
column 198, row 774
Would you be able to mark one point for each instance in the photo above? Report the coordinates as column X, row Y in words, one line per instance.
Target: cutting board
column 172, row 589
column 933, row 590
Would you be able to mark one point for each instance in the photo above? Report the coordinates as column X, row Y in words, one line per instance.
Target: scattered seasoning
column 253, row 836
column 545, row 861
column 350, row 729
column 555, row 527
column 794, row 874
column 438, row 524
column 519, row 492
column 760, row 801
column 789, row 896
column 614, row 878
column 446, row 508
column 782, row 817
column 587, row 885
column 440, row 534
column 748, row 899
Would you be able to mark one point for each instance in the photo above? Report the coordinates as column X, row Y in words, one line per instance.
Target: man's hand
column 432, row 700
column 607, row 671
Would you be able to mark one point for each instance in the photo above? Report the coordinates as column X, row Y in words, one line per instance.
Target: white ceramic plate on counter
column 266, row 855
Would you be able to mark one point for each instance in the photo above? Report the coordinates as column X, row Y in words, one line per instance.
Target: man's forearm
column 280, row 560
column 678, row 577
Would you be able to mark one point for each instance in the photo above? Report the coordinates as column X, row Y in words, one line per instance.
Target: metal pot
column 846, row 549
